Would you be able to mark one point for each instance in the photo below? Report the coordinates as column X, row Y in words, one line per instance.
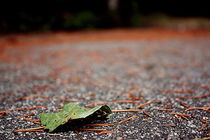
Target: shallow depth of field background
column 35, row 16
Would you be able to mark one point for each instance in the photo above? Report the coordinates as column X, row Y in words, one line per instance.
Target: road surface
column 156, row 82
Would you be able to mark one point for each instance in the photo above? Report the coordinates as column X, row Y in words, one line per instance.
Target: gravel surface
column 171, row 76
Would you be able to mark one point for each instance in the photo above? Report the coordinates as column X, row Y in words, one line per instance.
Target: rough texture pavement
column 171, row 76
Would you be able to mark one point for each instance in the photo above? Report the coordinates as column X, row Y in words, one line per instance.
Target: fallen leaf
column 71, row 111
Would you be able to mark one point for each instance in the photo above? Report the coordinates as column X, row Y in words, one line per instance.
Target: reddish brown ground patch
column 100, row 35
column 33, row 39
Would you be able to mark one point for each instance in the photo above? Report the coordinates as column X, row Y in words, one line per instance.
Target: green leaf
column 71, row 111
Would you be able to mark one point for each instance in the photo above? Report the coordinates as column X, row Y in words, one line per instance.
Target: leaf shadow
column 74, row 125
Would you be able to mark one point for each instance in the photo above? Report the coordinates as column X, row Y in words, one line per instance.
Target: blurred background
column 55, row 15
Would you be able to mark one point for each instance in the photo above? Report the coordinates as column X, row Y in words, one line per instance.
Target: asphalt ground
column 162, row 85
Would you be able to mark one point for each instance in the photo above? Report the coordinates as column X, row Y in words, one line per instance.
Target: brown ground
column 102, row 35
